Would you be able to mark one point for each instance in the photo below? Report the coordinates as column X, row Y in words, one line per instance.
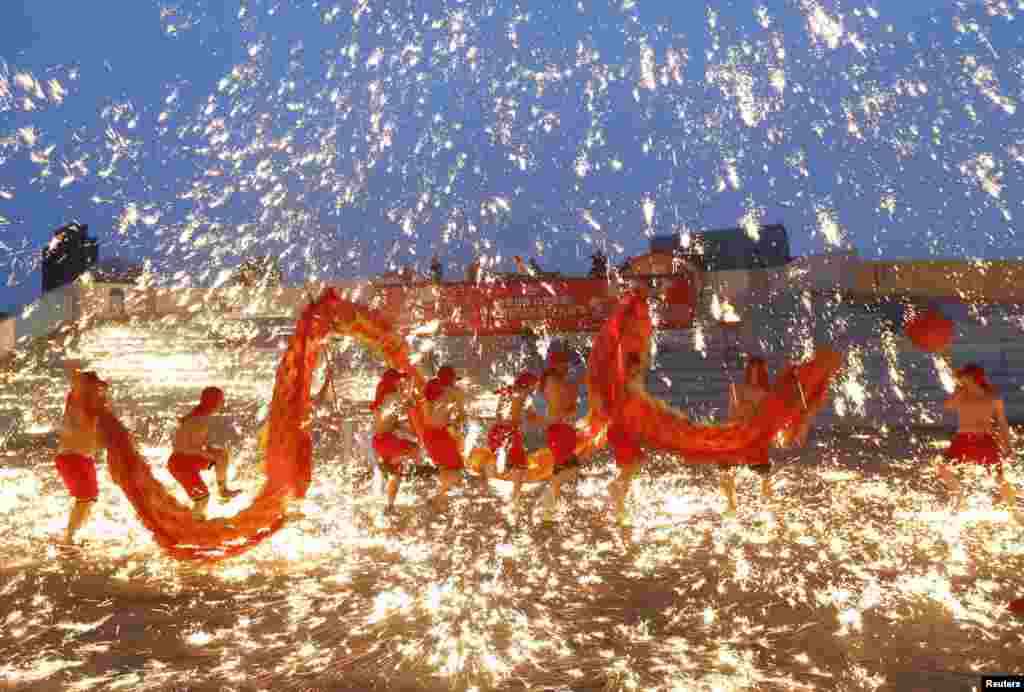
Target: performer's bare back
column 79, row 432
column 444, row 411
column 387, row 418
column 744, row 406
column 192, row 435
column 561, row 396
column 978, row 413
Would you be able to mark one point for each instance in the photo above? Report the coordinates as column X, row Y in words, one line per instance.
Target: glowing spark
column 829, row 227
column 822, row 25
column 648, row 207
column 945, row 373
column 751, row 221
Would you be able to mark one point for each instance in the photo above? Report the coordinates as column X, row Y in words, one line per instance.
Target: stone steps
column 696, row 380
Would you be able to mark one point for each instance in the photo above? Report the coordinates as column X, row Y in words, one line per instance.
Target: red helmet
column 525, row 381
column 210, row 400
column 388, row 385
column 447, row 376
column 976, row 373
column 435, row 389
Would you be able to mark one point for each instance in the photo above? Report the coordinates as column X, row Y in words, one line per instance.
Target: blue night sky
column 347, row 138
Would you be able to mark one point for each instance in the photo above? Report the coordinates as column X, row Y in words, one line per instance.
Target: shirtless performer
column 78, row 444
column 507, row 431
column 192, row 453
column 447, row 377
column 743, row 403
column 444, row 411
column 392, row 448
column 983, row 435
column 561, row 396
column 625, row 446
column 460, row 415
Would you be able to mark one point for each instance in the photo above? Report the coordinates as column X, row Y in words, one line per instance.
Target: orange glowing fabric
column 539, row 465
column 289, row 451
column 626, row 336
column 930, row 331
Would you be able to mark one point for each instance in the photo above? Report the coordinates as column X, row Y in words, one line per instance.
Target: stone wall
column 886, row 381
column 991, row 281
column 784, row 312
column 45, row 315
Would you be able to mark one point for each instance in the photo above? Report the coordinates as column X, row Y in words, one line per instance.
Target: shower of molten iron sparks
column 482, row 596
column 285, row 156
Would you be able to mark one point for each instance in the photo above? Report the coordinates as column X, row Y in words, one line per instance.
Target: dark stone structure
column 730, row 248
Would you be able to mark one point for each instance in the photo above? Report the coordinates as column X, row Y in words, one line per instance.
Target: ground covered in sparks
column 861, row 578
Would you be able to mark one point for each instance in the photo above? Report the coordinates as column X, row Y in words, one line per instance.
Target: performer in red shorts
column 192, row 453
column 447, row 377
column 444, row 409
column 743, row 402
column 983, row 433
column 389, row 406
column 457, row 404
column 79, row 441
column 561, row 396
column 507, row 431
column 626, row 448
